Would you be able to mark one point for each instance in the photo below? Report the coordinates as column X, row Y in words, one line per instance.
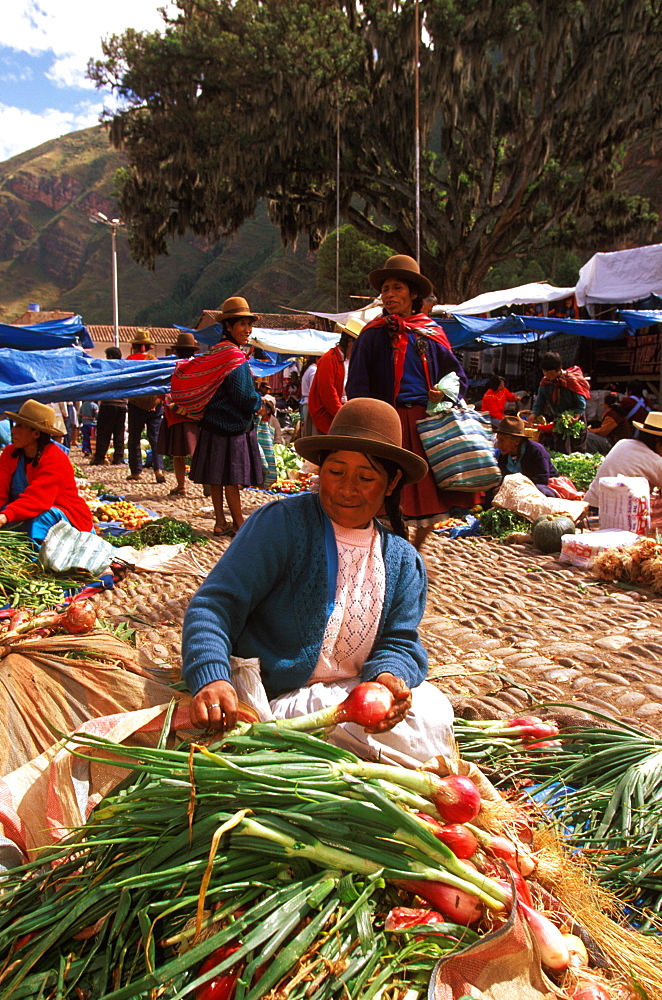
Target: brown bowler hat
column 142, row 337
column 186, row 339
column 513, row 426
column 372, row 427
column 236, row 307
column 403, row 267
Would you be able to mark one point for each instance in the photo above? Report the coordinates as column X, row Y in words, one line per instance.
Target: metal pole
column 417, row 138
column 116, row 318
column 338, row 211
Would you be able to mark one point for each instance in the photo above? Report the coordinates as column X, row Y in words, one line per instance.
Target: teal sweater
column 271, row 595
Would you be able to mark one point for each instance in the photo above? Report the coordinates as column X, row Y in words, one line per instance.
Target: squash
column 547, row 531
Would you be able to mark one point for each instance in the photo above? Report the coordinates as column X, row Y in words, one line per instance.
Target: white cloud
column 21, row 129
column 73, row 29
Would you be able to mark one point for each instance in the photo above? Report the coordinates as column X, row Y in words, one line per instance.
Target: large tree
column 526, row 107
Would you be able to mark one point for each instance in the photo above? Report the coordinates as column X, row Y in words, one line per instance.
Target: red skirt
column 423, row 503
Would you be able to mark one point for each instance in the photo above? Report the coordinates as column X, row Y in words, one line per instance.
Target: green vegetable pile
column 566, row 423
column 499, row 522
column 162, row 531
column 286, row 460
column 579, row 466
column 285, row 864
column 24, row 583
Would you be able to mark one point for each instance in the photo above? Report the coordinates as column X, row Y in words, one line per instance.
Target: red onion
column 521, row 886
column 516, row 856
column 367, row 704
column 591, row 991
column 461, row 841
column 222, row 986
column 551, row 942
column 80, row 617
column 402, row 917
column 531, row 727
column 578, row 952
column 456, row 798
column 457, row 905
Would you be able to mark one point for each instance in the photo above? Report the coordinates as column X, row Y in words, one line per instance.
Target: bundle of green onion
column 270, row 855
column 603, row 785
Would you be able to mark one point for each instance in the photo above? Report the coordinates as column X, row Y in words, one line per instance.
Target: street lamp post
column 113, row 225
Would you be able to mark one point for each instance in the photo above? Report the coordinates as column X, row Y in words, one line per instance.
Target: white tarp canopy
column 297, row 343
column 364, row 315
column 621, row 276
column 521, row 295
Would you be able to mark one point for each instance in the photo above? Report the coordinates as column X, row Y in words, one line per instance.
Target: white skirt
column 425, row 732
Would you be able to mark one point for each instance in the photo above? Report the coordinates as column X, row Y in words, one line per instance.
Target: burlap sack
column 519, row 494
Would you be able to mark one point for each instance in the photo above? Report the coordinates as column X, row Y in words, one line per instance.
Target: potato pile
column 123, row 511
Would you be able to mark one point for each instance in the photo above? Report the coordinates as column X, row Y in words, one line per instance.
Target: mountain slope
column 50, row 253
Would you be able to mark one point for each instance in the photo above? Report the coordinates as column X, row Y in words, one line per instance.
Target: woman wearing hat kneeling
column 516, row 453
column 37, row 484
column 399, row 358
column 324, row 597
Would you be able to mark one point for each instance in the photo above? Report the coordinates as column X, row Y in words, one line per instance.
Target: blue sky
column 44, row 49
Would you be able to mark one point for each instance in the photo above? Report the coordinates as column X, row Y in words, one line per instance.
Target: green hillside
column 50, row 253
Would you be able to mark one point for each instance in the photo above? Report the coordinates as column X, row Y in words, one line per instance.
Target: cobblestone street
column 505, row 627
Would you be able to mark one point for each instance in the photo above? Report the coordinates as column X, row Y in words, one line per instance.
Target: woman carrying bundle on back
column 217, row 389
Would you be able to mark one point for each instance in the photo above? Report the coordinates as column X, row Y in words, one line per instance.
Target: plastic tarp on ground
column 520, row 295
column 46, row 336
column 621, row 276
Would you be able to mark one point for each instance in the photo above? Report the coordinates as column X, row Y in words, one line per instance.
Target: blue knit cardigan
column 271, row 595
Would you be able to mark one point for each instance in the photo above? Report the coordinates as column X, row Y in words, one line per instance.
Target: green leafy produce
column 24, row 582
column 566, row 423
column 499, row 522
column 286, row 460
column 162, row 531
column 579, row 466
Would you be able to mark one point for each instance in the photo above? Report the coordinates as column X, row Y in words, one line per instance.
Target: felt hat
column 142, row 337
column 513, row 427
column 372, row 427
column 353, row 326
column 269, row 400
column 403, row 267
column 186, row 339
column 36, row 415
column 236, row 307
column 652, row 424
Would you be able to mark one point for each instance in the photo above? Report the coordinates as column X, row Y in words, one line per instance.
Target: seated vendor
column 324, row 597
column 638, row 457
column 37, row 484
column 516, row 453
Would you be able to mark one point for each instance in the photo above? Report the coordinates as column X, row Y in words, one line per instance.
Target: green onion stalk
column 201, row 849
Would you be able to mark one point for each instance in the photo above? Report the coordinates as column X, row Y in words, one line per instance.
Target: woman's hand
column 436, row 395
column 214, row 707
column 3, row 520
column 401, row 705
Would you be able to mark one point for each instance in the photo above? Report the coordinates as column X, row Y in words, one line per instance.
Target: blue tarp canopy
column 210, row 335
column 638, row 319
column 473, row 334
column 68, row 373
column 46, row 336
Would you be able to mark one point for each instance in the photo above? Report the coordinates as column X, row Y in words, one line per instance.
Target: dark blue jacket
column 536, row 463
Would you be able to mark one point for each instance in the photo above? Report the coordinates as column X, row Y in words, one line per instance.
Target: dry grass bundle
column 640, row 564
column 632, row 956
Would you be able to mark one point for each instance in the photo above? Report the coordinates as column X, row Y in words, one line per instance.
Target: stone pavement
column 505, row 627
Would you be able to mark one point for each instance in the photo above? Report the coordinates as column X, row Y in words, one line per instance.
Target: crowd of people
column 315, row 593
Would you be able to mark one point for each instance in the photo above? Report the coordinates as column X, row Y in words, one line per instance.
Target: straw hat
column 652, row 424
column 372, row 427
column 142, row 337
column 513, row 426
column 36, row 415
column 403, row 267
column 353, row 327
column 270, row 402
column 185, row 339
column 236, row 307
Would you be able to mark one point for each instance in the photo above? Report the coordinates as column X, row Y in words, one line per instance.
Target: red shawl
column 572, row 378
column 399, row 330
column 196, row 379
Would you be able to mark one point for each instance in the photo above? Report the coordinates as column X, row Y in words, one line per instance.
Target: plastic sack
column 624, row 503
column 450, row 386
column 518, row 493
column 582, row 550
column 65, row 548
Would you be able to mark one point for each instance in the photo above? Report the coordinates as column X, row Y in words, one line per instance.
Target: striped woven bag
column 458, row 446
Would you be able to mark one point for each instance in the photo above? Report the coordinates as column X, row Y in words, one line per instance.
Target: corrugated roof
column 268, row 321
column 106, row 334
